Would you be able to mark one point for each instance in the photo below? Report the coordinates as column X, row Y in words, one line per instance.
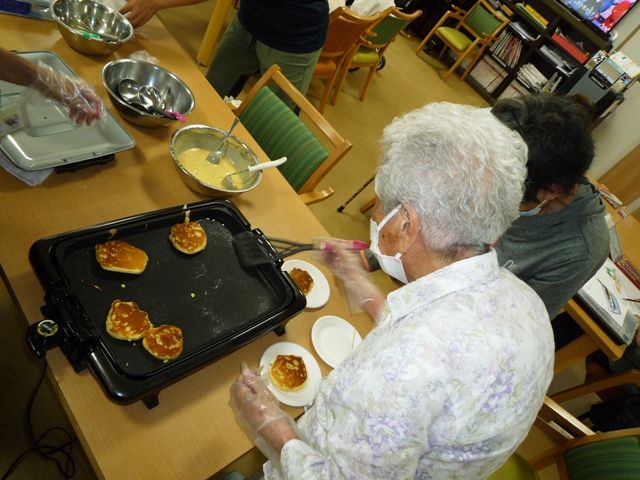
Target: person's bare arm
column 139, row 12
column 15, row 69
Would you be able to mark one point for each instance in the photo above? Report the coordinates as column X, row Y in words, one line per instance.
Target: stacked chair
column 345, row 28
column 370, row 48
column 473, row 31
column 281, row 133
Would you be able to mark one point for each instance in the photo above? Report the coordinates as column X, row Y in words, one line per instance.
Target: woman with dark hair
column 561, row 238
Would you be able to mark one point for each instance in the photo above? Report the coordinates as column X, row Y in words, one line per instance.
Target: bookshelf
column 543, row 45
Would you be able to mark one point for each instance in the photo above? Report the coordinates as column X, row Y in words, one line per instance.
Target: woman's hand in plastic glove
column 258, row 413
column 84, row 103
column 347, row 265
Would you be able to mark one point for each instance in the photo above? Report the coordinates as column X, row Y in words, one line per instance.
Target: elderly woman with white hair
column 451, row 378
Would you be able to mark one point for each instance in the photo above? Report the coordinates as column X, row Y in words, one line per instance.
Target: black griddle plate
column 219, row 304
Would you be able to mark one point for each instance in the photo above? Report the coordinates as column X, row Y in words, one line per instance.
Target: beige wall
column 619, row 134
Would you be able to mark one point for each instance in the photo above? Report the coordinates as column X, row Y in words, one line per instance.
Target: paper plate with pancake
column 319, row 293
column 334, row 339
column 303, row 396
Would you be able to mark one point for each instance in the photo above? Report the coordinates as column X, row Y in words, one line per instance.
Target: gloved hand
column 139, row 12
column 258, row 412
column 346, row 264
column 84, row 103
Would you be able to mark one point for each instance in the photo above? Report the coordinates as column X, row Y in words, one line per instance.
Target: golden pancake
column 119, row 256
column 125, row 321
column 288, row 373
column 302, row 279
column 164, row 342
column 188, row 237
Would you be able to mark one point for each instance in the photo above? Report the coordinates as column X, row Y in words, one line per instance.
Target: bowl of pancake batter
column 190, row 147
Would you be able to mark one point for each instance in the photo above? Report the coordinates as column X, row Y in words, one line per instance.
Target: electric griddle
column 219, row 304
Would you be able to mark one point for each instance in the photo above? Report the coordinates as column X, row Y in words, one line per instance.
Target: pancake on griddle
column 288, row 373
column 119, row 256
column 188, row 237
column 303, row 279
column 125, row 321
column 164, row 342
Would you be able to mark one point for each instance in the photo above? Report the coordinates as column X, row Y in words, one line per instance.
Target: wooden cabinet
column 534, row 56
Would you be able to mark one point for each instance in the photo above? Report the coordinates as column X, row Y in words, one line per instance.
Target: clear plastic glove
column 84, row 103
column 347, row 266
column 258, row 412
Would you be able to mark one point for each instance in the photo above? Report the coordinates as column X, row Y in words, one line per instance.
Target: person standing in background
column 289, row 33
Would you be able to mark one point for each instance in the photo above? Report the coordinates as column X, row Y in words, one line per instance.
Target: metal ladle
column 129, row 90
column 214, row 157
column 151, row 96
column 227, row 181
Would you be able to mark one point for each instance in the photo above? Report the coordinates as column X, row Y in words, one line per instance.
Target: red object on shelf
column 570, row 48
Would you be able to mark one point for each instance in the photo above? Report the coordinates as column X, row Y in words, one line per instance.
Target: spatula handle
column 272, row 164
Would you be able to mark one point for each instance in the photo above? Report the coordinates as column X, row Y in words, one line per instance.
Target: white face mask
column 391, row 265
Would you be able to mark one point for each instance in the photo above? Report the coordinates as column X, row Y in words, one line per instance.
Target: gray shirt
column 556, row 254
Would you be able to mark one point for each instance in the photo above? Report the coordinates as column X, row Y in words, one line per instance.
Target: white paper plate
column 308, row 393
column 319, row 294
column 334, row 339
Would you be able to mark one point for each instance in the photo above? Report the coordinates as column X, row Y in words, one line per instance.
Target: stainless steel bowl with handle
column 91, row 27
column 208, row 138
column 177, row 94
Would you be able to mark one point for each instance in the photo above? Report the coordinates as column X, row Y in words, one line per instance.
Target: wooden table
column 595, row 337
column 192, row 434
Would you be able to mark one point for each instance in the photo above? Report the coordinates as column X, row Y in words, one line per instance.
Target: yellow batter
column 195, row 162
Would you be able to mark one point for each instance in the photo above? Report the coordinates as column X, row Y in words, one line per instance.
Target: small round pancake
column 188, row 237
column 164, row 342
column 288, row 373
column 303, row 279
column 119, row 256
column 125, row 321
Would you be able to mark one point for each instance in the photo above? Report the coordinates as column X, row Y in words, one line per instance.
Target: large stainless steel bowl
column 209, row 138
column 179, row 97
column 91, row 27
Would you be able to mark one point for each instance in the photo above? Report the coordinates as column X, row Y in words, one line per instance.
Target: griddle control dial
column 44, row 335
column 47, row 328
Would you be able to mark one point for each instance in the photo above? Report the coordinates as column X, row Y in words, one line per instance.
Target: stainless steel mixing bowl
column 209, row 138
column 179, row 96
column 91, row 27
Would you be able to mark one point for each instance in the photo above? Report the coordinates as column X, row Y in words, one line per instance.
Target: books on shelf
column 552, row 54
column 514, row 89
column 488, row 73
column 536, row 14
column 552, row 84
column 531, row 77
column 507, row 49
column 521, row 30
column 569, row 46
column 522, row 8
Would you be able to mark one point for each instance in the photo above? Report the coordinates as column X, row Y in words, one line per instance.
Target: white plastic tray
column 51, row 139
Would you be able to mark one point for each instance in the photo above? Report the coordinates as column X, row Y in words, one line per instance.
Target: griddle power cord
column 46, row 451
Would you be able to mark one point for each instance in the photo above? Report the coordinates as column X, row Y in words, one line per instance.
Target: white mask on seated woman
column 391, row 265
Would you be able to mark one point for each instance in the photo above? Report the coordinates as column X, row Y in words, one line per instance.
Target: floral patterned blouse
column 446, row 387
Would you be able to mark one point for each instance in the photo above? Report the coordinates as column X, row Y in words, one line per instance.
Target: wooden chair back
column 280, row 132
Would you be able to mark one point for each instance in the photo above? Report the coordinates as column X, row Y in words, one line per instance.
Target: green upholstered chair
column 345, row 28
column 579, row 453
column 371, row 47
column 475, row 30
column 281, row 133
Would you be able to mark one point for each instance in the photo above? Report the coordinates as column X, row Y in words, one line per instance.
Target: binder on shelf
column 527, row 14
column 569, row 47
column 536, row 14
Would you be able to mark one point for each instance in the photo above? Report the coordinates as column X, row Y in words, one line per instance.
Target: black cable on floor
column 67, row 470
